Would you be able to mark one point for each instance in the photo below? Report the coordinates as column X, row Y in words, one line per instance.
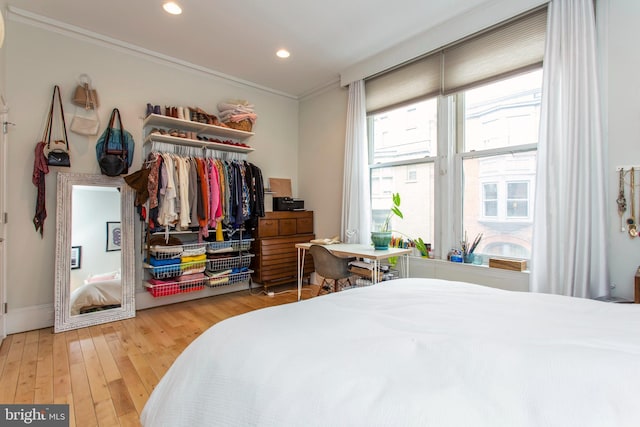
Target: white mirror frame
column 63, row 319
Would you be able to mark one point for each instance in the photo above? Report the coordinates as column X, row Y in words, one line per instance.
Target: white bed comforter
column 411, row 352
column 96, row 294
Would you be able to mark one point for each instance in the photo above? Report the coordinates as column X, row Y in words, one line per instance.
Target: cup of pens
column 468, row 248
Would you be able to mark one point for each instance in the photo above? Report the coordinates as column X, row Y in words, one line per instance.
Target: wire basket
column 229, row 279
column 172, row 288
column 245, row 125
column 170, row 252
column 243, row 260
column 234, row 245
column 175, row 270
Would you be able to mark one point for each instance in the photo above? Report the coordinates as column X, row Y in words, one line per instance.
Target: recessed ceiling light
column 283, row 53
column 172, row 8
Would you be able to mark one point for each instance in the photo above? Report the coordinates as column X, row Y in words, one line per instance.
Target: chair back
column 328, row 265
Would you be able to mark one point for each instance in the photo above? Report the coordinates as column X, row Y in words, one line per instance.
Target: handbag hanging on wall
column 58, row 153
column 85, row 121
column 114, row 149
column 85, row 96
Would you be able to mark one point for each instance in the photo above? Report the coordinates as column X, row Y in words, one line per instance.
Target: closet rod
column 191, row 151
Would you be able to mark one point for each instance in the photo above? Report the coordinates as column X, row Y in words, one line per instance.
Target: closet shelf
column 179, row 287
column 175, row 270
column 229, row 279
column 188, row 125
column 224, row 263
column 172, row 288
column 156, row 137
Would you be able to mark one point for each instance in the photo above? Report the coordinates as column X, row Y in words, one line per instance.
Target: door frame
column 4, row 123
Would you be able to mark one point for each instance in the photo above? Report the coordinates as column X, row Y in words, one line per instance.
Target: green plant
column 395, row 210
column 421, row 246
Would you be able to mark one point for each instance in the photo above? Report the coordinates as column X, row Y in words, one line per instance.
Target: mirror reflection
column 96, row 280
column 94, row 251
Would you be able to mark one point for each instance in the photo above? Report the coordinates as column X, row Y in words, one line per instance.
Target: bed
column 411, row 352
column 98, row 292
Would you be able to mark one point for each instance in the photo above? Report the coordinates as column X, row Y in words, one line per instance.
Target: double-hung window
column 403, row 153
column 498, row 135
column 455, row 133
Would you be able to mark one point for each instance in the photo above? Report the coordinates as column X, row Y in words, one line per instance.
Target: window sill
column 472, row 273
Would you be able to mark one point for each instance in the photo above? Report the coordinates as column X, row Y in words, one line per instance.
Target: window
column 517, row 199
column 403, row 150
column 490, row 199
column 457, row 130
column 499, row 132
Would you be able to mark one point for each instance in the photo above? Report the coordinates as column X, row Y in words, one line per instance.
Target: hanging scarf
column 40, row 169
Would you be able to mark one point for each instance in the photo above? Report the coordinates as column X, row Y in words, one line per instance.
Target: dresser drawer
column 287, row 227
column 304, row 225
column 276, row 257
column 268, row 228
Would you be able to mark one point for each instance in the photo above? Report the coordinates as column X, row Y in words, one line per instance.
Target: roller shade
column 419, row 79
column 507, row 48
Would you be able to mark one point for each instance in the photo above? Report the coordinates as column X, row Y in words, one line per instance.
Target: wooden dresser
column 276, row 258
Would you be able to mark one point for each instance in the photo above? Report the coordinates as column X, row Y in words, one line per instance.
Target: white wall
column 321, row 159
column 623, row 83
column 37, row 57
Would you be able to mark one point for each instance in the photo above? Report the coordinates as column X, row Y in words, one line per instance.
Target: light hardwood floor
column 107, row 372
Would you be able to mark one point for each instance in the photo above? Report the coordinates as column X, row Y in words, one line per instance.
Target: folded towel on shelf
column 152, row 260
column 211, row 250
column 190, row 277
column 166, row 251
column 218, row 281
column 160, row 281
column 194, row 258
column 236, row 111
column 194, row 252
column 193, row 268
column 218, row 274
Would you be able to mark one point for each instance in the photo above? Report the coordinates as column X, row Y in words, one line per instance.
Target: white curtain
column 356, row 212
column 569, row 255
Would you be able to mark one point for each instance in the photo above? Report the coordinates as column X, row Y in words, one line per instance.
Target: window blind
column 507, row 48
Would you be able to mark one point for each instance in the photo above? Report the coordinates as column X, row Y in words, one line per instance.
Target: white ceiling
column 239, row 38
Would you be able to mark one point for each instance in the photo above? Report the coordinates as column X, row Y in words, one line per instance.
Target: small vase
column 381, row 240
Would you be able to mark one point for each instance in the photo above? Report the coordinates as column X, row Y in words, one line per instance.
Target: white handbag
column 85, row 121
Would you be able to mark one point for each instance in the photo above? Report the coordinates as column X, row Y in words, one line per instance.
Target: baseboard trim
column 29, row 318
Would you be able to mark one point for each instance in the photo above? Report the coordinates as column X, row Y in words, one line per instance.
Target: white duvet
column 96, row 294
column 411, row 352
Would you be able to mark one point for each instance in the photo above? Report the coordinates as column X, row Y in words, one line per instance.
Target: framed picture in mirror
column 76, row 257
column 114, row 236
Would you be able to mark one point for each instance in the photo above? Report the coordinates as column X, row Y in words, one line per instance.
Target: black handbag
column 56, row 156
column 113, row 162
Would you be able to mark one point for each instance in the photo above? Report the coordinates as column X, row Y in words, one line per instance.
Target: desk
column 354, row 250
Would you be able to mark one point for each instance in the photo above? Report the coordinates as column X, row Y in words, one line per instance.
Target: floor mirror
column 94, row 275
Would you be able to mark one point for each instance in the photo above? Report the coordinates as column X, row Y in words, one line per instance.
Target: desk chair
column 330, row 267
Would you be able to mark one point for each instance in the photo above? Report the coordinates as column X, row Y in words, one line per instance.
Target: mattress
column 411, row 352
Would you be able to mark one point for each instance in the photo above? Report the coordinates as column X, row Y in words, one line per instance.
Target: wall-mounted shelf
column 228, row 134
column 171, row 122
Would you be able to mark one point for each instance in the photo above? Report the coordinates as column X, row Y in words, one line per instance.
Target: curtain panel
column 356, row 211
column 569, row 234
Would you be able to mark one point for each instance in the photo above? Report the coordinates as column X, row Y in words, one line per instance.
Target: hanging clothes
column 187, row 192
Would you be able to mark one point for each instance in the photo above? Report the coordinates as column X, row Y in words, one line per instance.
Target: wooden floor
column 107, row 372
